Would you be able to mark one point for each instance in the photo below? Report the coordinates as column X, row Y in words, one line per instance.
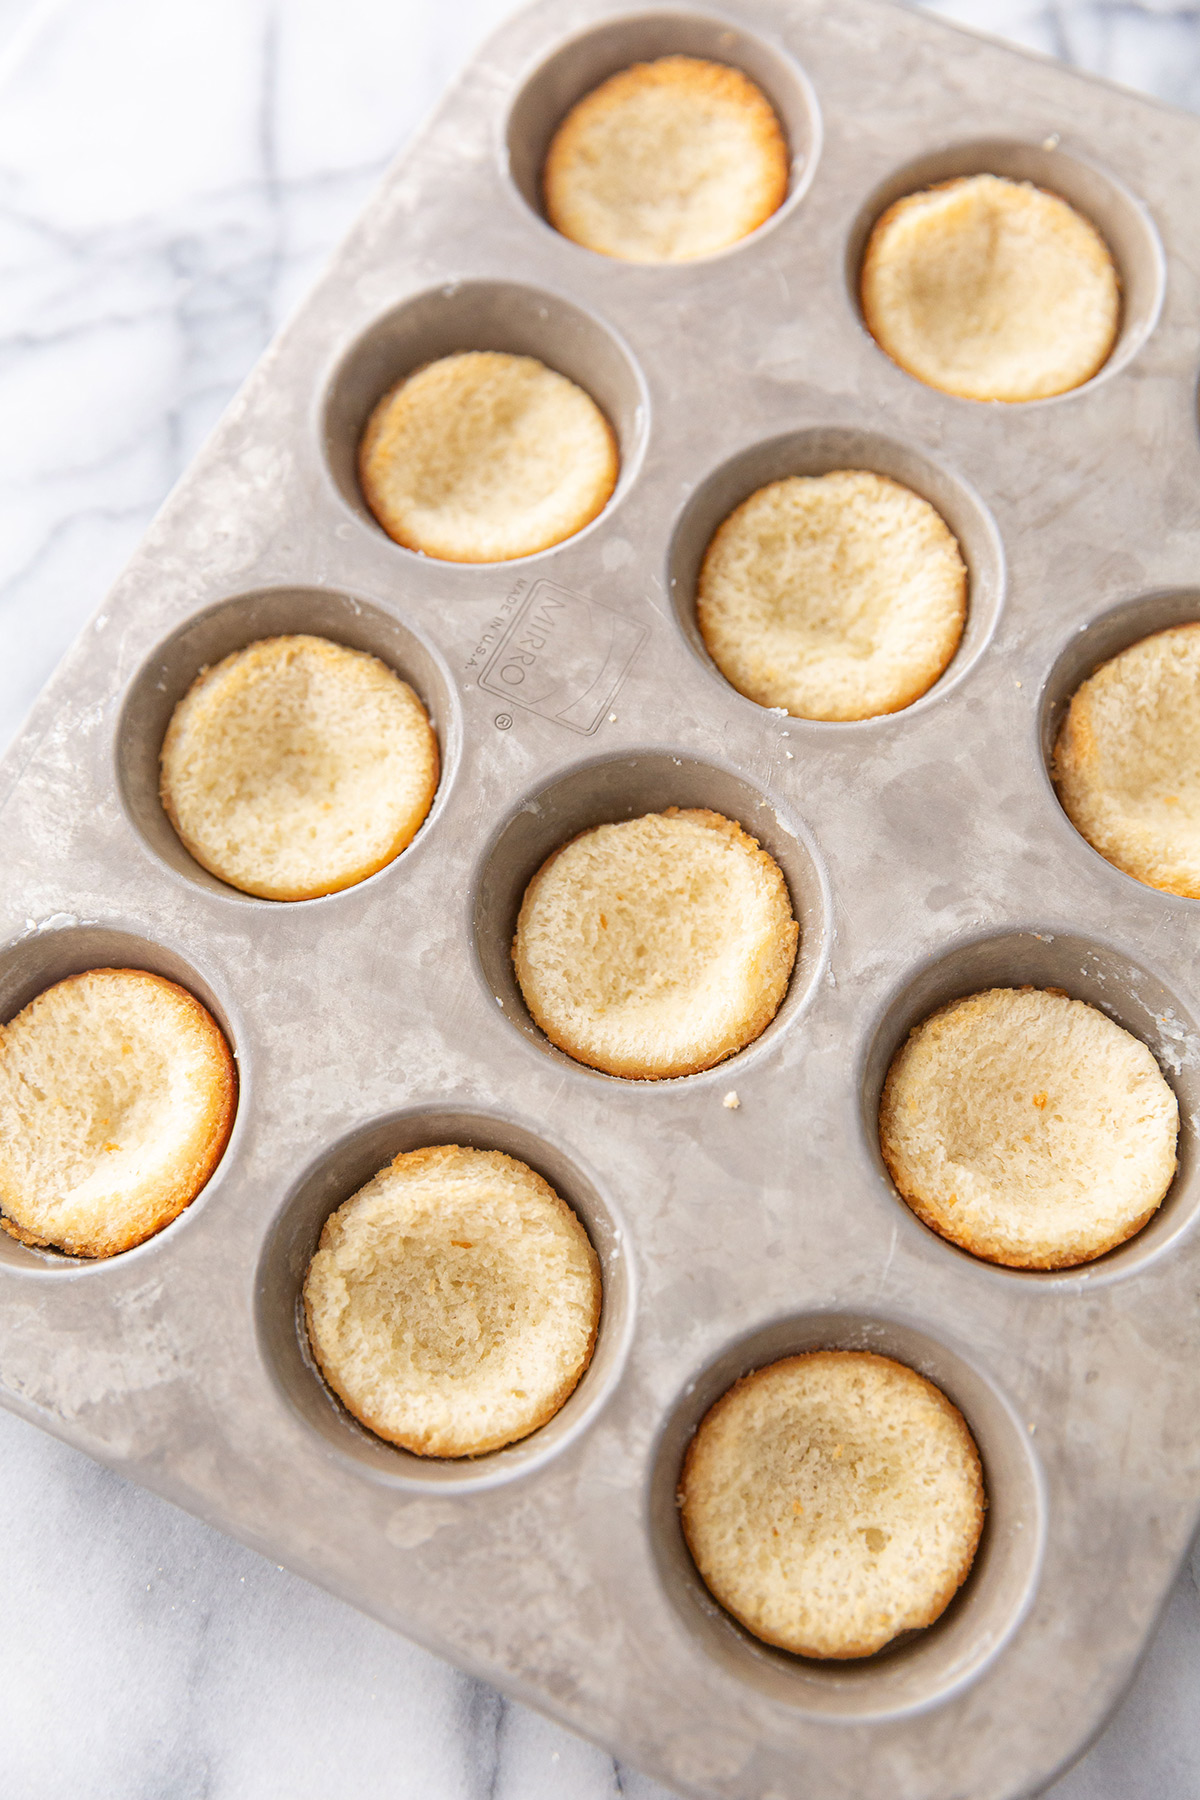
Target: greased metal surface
column 926, row 855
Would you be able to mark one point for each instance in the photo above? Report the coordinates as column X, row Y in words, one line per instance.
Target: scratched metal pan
column 926, row 854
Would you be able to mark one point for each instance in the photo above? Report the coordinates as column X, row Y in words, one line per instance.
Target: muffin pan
column 926, row 854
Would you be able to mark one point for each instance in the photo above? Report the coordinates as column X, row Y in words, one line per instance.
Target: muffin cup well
column 1087, row 969
column 332, row 1178
column 230, row 625
column 482, row 315
column 818, row 450
column 581, row 64
column 1121, row 219
column 625, row 787
column 48, row 954
column 927, row 1665
column 1105, row 637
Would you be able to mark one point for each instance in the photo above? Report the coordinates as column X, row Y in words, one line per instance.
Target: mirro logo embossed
column 563, row 656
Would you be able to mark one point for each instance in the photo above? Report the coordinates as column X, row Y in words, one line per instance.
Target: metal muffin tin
column 926, row 854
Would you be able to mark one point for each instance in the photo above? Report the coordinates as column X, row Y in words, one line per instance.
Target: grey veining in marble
column 169, row 180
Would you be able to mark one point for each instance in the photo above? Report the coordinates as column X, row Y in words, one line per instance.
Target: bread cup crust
column 135, row 1217
column 428, row 483
column 836, row 596
column 769, row 966
column 709, row 1496
column 1045, row 1058
column 1127, row 760
column 435, row 1420
column 1086, row 280
column 603, row 136
column 194, row 757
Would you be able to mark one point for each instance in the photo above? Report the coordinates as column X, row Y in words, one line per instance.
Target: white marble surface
column 171, row 177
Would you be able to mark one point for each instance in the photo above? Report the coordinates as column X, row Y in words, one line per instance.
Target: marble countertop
column 170, row 181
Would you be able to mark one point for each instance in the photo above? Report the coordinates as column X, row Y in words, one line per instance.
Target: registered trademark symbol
column 503, row 721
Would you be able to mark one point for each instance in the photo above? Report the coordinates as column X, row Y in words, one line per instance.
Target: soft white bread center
column 297, row 767
column 991, row 289
column 831, row 1501
column 1127, row 760
column 665, row 161
column 454, row 1301
column 656, row 946
column 116, row 1097
column 1028, row 1127
column 484, row 456
column 836, row 596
